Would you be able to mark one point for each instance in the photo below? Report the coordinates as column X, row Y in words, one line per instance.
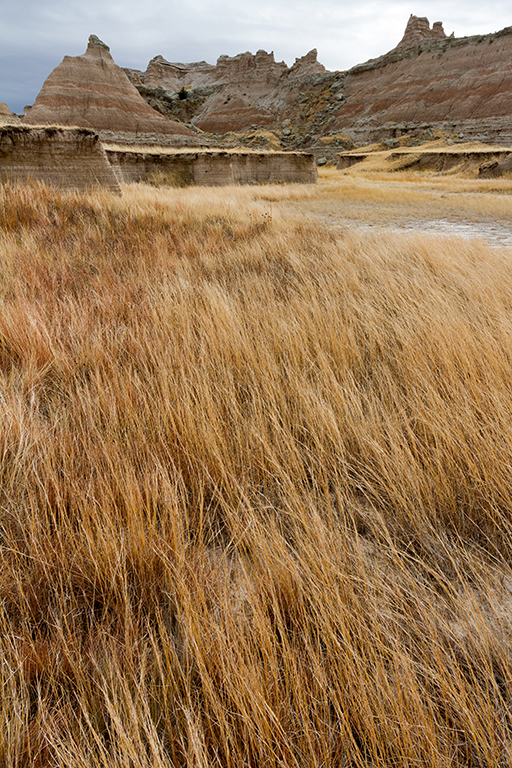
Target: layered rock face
column 457, row 85
column 169, row 76
column 214, row 168
column 239, row 91
column 93, row 92
column 428, row 81
column 69, row 158
column 437, row 160
column 495, row 168
column 6, row 115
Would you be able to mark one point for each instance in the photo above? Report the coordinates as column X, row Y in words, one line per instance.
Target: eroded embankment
column 213, row 168
column 69, row 158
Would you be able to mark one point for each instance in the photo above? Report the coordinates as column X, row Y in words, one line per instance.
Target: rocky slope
column 239, row 91
column 428, row 82
column 91, row 91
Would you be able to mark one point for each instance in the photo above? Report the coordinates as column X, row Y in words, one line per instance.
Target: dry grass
column 392, row 199
column 155, row 150
column 380, row 159
column 438, row 145
column 255, row 505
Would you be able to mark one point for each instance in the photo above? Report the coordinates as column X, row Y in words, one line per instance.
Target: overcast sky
column 35, row 35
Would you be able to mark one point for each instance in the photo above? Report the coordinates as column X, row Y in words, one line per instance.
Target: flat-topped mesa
column 213, row 168
column 91, row 91
column 418, row 29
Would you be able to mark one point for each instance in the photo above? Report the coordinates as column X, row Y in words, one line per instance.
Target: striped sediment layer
column 91, row 91
column 438, row 160
column 213, row 168
column 69, row 158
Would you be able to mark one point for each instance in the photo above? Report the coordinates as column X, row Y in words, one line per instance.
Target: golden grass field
column 255, row 504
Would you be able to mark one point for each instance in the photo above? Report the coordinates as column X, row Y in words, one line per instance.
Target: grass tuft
column 255, row 495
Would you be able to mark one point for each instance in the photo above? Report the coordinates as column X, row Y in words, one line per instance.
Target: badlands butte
column 429, row 82
column 431, row 85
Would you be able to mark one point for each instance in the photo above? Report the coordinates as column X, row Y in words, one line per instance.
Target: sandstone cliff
column 213, row 168
column 93, row 92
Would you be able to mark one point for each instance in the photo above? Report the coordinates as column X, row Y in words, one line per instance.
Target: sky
column 35, row 35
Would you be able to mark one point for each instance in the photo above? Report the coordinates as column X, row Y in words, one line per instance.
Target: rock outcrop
column 236, row 93
column 462, row 158
column 496, row 167
column 418, row 29
column 460, row 86
column 212, row 168
column 70, row 158
column 6, row 116
column 429, row 82
column 307, row 65
column 91, row 91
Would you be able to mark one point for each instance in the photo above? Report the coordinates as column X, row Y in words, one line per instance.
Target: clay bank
column 212, row 168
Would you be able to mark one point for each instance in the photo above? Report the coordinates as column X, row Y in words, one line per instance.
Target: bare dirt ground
column 443, row 205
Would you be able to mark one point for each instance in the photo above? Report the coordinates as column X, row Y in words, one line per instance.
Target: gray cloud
column 35, row 36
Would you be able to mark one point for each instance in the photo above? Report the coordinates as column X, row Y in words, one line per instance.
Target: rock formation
column 307, row 64
column 70, row 158
column 212, row 168
column 418, row 29
column 437, row 159
column 461, row 86
column 495, row 168
column 237, row 92
column 6, row 116
column 93, row 92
